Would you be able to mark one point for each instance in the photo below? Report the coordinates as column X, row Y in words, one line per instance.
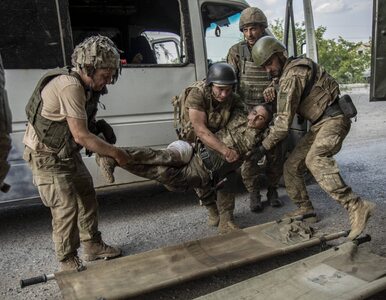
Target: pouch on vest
column 347, row 106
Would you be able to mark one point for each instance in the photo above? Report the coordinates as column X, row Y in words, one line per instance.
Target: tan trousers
column 66, row 187
column 315, row 152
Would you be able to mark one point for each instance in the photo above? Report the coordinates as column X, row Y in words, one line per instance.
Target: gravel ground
column 145, row 217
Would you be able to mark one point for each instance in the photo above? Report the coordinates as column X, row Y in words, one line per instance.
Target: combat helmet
column 221, row 74
column 252, row 15
column 264, row 48
column 97, row 52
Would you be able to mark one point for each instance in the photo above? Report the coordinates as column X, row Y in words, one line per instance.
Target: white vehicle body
column 39, row 35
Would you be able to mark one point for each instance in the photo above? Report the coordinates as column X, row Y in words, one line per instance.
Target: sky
column 350, row 19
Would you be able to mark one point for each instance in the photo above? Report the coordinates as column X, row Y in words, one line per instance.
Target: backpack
column 182, row 125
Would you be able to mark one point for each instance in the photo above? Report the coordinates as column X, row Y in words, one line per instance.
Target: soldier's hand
column 256, row 153
column 269, row 94
column 121, row 157
column 231, row 155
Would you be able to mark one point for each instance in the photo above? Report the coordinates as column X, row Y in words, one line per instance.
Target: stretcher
column 148, row 271
column 342, row 272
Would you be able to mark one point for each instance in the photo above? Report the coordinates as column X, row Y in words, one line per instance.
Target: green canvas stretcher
column 145, row 272
column 343, row 272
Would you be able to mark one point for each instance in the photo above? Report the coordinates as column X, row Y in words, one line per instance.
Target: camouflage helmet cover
column 264, row 48
column 252, row 15
column 97, row 52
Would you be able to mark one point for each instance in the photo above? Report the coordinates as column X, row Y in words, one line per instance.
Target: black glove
column 108, row 132
column 257, row 153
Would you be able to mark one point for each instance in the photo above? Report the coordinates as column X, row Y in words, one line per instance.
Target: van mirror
column 166, row 51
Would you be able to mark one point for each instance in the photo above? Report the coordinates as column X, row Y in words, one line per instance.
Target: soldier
column 206, row 109
column 5, row 130
column 253, row 80
column 59, row 115
column 179, row 169
column 307, row 89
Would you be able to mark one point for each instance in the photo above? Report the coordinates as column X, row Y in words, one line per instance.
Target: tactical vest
column 323, row 92
column 215, row 120
column 253, row 79
column 56, row 134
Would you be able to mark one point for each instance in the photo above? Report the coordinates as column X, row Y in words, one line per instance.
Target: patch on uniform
column 281, row 101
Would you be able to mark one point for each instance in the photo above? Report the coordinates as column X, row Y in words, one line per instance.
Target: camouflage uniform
column 218, row 114
column 252, row 82
column 162, row 165
column 316, row 149
column 5, row 127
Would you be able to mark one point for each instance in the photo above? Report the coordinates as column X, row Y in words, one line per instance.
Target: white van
column 176, row 39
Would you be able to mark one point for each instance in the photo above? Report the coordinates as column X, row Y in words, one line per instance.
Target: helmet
column 221, row 74
column 264, row 48
column 252, row 15
column 96, row 52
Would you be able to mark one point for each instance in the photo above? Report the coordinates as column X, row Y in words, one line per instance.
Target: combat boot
column 359, row 212
column 303, row 209
column 255, row 204
column 106, row 165
column 226, row 205
column 273, row 197
column 213, row 216
column 73, row 262
column 96, row 249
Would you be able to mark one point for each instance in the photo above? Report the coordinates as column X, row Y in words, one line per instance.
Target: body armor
column 253, row 79
column 54, row 134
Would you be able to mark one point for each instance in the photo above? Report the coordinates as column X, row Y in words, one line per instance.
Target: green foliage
column 344, row 60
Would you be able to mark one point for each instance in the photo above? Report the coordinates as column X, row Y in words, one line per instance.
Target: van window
column 30, row 36
column 132, row 25
column 221, row 27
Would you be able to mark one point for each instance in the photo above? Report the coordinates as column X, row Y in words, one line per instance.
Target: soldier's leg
column 82, row 191
column 208, row 199
column 250, row 176
column 55, row 189
column 293, row 172
column 5, row 147
column 226, row 206
column 274, row 171
column 324, row 168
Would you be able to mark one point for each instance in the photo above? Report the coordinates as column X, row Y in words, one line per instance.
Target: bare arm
column 198, row 119
column 84, row 137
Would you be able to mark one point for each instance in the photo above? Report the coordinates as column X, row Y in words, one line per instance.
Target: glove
column 107, row 131
column 257, row 153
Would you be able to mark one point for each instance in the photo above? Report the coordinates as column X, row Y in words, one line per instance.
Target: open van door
column 378, row 54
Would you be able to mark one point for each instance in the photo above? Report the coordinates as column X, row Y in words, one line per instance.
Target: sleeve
column 288, row 100
column 72, row 100
column 195, row 100
column 233, row 59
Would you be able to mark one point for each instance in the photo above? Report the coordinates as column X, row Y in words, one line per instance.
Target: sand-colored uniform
column 5, row 127
column 316, row 149
column 253, row 80
column 64, row 183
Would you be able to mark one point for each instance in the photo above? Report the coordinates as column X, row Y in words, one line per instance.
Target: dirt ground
column 147, row 217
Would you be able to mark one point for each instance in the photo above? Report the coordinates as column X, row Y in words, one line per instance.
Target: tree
column 344, row 60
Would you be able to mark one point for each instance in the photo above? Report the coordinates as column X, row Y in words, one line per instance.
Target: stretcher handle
column 305, row 216
column 35, row 280
column 362, row 239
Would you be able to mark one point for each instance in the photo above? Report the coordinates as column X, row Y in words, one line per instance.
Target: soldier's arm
column 198, row 119
column 288, row 99
column 85, row 138
column 233, row 59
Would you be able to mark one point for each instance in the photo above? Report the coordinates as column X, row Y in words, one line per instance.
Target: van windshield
column 221, row 30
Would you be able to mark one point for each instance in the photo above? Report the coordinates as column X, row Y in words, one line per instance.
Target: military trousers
column 315, row 152
column 5, row 148
column 66, row 187
column 163, row 166
column 250, row 170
